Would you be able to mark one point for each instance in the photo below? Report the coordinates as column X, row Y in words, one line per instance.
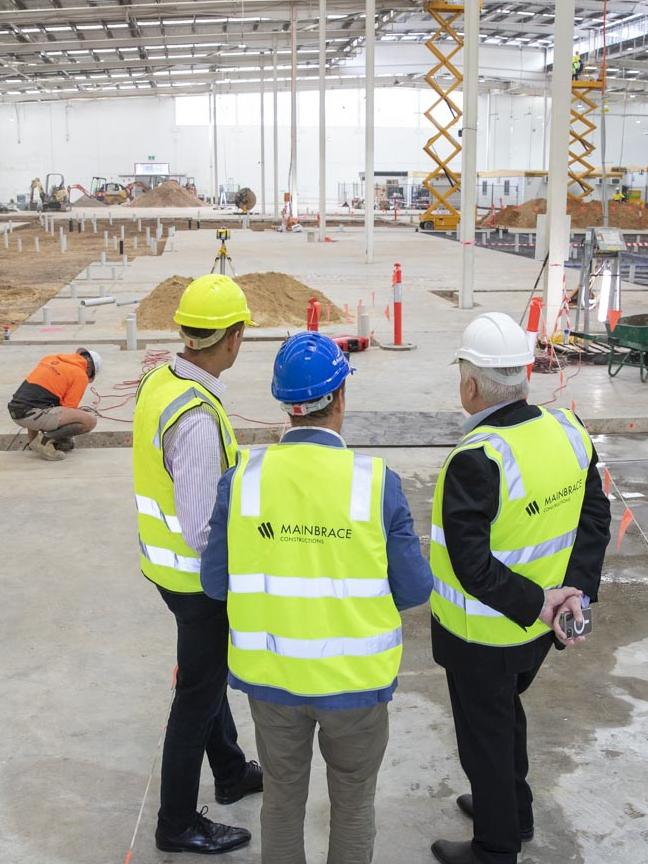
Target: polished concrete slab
column 415, row 381
column 88, row 649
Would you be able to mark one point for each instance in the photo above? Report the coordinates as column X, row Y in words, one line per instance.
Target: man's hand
column 555, row 600
column 572, row 605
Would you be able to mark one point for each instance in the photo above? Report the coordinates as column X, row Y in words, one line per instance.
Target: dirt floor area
column 274, row 299
column 584, row 214
column 28, row 280
column 168, row 194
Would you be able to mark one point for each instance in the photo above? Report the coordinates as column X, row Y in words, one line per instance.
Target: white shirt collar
column 186, row 369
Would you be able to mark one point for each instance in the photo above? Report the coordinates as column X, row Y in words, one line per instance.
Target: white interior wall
column 82, row 138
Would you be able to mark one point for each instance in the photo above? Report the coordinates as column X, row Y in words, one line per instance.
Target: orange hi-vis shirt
column 63, row 375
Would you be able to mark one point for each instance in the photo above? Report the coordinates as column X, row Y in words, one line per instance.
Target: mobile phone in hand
column 572, row 629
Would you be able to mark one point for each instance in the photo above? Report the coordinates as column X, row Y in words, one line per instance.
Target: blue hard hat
column 307, row 367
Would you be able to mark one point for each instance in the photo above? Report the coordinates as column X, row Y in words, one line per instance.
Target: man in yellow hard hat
column 182, row 443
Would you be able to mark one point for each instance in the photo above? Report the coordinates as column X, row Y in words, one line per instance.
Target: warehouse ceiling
column 68, row 49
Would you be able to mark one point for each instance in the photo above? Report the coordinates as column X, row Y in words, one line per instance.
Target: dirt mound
column 87, row 201
column 274, row 299
column 18, row 302
column 167, row 194
column 585, row 214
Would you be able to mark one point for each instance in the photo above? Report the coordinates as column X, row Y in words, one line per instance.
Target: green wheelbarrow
column 631, row 334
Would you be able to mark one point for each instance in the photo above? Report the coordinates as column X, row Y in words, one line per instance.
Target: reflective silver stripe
column 540, row 550
column 251, row 483
column 361, row 488
column 150, row 507
column 575, row 438
column 171, row 409
column 469, row 605
column 512, row 472
column 166, row 558
column 437, row 535
column 316, row 649
column 524, row 554
column 300, row 586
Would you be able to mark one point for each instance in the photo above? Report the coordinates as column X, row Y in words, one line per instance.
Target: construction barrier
column 533, row 327
column 397, row 284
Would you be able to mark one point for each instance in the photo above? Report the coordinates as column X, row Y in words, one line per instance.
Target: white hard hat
column 494, row 341
column 96, row 361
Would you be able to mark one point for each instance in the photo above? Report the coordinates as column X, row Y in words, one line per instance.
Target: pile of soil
column 167, row 194
column 585, row 214
column 274, row 298
column 87, row 201
column 19, row 302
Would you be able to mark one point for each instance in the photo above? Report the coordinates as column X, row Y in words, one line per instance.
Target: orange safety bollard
column 533, row 327
column 397, row 284
column 313, row 312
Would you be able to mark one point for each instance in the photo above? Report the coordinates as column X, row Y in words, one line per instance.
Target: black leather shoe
column 250, row 783
column 451, row 852
column 204, row 837
column 465, row 804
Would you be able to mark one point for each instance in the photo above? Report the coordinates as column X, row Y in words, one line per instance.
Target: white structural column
column 370, row 46
column 262, row 141
column 275, row 135
column 322, row 120
column 469, row 151
column 558, row 161
column 214, row 142
column 293, row 111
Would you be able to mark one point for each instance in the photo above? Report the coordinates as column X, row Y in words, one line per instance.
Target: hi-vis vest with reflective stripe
column 309, row 603
column 543, row 467
column 162, row 399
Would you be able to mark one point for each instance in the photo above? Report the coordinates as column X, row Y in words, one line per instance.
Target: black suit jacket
column 470, row 503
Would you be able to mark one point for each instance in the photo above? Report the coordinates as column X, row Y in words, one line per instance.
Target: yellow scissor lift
column 443, row 183
column 581, row 146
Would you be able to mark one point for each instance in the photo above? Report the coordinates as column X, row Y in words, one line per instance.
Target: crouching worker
column 314, row 548
column 47, row 402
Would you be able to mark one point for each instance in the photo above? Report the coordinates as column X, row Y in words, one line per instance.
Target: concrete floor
column 88, row 647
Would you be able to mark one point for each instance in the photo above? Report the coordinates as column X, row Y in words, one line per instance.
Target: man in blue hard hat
column 314, row 548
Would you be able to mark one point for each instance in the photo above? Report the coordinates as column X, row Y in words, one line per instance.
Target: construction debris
column 167, row 194
column 584, row 214
column 274, row 298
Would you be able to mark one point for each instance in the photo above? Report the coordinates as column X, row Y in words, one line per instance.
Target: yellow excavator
column 53, row 196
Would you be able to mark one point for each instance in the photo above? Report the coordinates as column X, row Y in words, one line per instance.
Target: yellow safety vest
column 309, row 602
column 543, row 466
column 162, row 398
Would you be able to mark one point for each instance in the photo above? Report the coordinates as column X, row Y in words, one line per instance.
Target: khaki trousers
column 353, row 744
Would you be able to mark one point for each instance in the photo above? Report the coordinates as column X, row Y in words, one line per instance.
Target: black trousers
column 200, row 721
column 492, row 739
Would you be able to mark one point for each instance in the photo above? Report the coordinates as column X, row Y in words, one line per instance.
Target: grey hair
column 491, row 391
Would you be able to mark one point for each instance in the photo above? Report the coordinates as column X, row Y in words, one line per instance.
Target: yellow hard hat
column 213, row 302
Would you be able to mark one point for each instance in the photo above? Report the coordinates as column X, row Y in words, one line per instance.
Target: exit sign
column 150, row 158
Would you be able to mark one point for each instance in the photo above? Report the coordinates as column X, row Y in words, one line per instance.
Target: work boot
column 250, row 783
column 45, row 449
column 451, row 852
column 465, row 804
column 64, row 444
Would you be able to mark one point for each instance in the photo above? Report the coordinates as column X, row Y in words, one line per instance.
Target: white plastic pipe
column 98, row 301
column 131, row 333
column 604, row 296
column 47, row 315
column 37, row 245
column 19, row 243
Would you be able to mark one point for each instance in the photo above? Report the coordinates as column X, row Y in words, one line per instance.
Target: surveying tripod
column 223, row 257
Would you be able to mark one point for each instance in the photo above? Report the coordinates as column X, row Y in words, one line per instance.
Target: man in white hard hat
column 47, row 402
column 520, row 525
